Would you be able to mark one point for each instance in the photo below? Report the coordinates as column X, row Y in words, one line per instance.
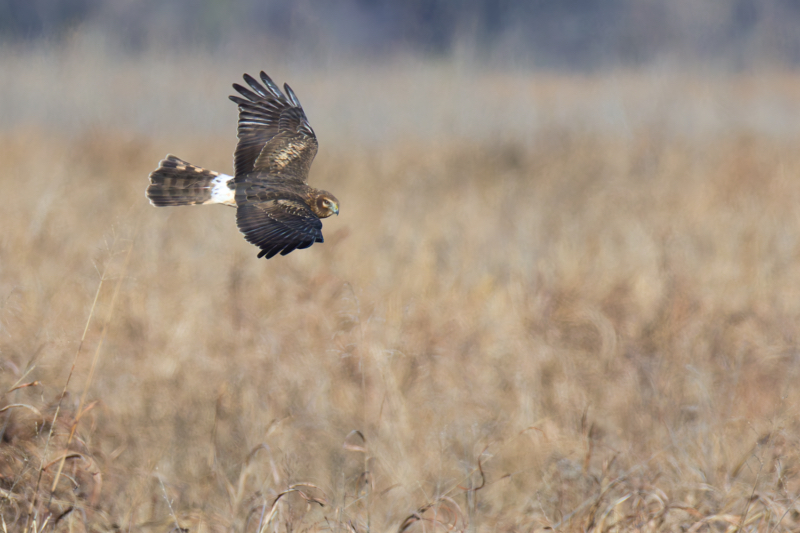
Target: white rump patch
column 221, row 193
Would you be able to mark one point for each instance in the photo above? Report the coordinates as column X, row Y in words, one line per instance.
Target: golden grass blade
column 97, row 351
column 24, row 385
column 66, row 384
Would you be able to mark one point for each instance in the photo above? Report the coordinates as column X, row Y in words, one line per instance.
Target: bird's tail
column 176, row 182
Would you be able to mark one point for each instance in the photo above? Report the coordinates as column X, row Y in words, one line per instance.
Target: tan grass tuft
column 550, row 324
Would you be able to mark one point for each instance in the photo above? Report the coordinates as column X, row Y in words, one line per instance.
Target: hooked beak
column 336, row 209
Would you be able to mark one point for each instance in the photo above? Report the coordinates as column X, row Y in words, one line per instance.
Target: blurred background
column 64, row 62
column 573, row 35
column 561, row 294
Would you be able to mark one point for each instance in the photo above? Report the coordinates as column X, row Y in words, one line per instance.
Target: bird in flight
column 276, row 209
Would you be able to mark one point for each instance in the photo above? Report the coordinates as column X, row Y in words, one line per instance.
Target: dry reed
column 574, row 330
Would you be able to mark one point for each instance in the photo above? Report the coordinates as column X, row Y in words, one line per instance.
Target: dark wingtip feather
column 257, row 87
column 292, row 96
column 247, row 93
column 271, row 84
column 289, row 249
column 239, row 101
column 272, row 252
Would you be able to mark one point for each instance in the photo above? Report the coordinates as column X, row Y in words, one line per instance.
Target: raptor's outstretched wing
column 279, row 226
column 274, row 133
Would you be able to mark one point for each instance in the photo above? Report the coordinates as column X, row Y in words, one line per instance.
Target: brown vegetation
column 574, row 330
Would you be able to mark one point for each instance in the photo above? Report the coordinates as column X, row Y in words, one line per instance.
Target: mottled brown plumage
column 276, row 209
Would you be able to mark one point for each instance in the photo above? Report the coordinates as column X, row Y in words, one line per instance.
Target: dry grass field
column 545, row 326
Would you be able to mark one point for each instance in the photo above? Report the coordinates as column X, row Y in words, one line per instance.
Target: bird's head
column 325, row 204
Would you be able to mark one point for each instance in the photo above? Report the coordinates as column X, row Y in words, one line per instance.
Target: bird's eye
column 326, row 203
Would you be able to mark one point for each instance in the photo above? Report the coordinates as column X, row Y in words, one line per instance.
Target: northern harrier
column 275, row 208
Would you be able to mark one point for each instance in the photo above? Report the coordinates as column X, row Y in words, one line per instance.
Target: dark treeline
column 550, row 33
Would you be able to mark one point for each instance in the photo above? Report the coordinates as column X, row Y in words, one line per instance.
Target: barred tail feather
column 176, row 182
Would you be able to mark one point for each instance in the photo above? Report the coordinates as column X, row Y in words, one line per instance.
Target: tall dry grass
column 569, row 329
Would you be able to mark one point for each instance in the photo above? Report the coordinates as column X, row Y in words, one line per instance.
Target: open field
column 559, row 324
